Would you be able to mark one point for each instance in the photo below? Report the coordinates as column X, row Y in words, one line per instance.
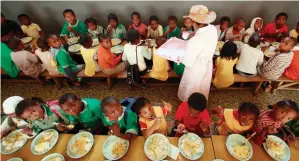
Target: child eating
column 154, row 28
column 187, row 26
column 121, row 121
column 236, row 32
column 115, row 29
column 222, row 28
column 151, row 118
column 72, row 27
column 29, row 28
column 93, row 28
column 172, row 30
column 255, row 26
column 137, row 25
column 295, row 32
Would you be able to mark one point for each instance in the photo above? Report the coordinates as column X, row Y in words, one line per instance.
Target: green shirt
column 174, row 33
column 6, row 62
column 64, row 60
column 79, row 27
column 178, row 68
column 127, row 124
column 94, row 34
column 119, row 32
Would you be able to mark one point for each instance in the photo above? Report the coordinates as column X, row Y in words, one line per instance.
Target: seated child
column 295, row 32
column 222, row 27
column 137, row 25
column 72, row 27
column 44, row 54
column 236, row 32
column 11, row 121
column 160, row 64
column 85, row 111
column 154, row 28
column 29, row 28
column 255, row 26
column 151, row 118
column 225, row 63
column 93, row 28
column 271, row 121
column 275, row 66
column 236, row 121
column 122, row 122
column 109, row 62
column 172, row 30
column 187, row 26
column 250, row 57
column 292, row 72
column 10, row 26
column 294, row 126
column 193, row 116
column 115, row 29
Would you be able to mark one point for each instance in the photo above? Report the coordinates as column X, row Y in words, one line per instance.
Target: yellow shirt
column 294, row 33
column 32, row 30
column 224, row 72
column 160, row 67
column 90, row 66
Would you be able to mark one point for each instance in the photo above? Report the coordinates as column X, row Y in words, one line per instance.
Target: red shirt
column 141, row 28
column 270, row 28
column 292, row 72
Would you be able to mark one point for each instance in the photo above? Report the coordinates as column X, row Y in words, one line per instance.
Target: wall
column 49, row 14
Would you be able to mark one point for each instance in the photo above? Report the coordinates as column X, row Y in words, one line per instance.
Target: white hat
column 10, row 104
column 201, row 14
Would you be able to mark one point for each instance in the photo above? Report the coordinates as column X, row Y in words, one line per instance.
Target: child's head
column 285, row 111
column 281, row 19
column 3, row 19
column 254, row 40
column 133, row 36
column 240, row 24
column 54, row 41
column 224, row 23
column 197, row 102
column 112, row 108
column 143, row 108
column 135, row 17
column 43, row 44
column 297, row 28
column 15, row 44
column 258, row 24
column 172, row 22
column 91, row 23
column 86, row 41
column 112, row 20
column 69, row 16
column 71, row 104
column 6, row 34
column 105, row 41
column 9, row 105
column 154, row 22
column 287, row 44
column 248, row 113
column 229, row 51
column 24, row 19
column 188, row 22
column 30, row 109
column 160, row 41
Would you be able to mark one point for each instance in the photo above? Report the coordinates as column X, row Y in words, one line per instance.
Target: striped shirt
column 265, row 120
column 275, row 66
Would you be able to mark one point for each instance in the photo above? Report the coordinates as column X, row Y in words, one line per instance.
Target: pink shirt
column 141, row 28
column 270, row 28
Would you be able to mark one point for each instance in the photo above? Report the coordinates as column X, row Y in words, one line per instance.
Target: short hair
column 172, row 18
column 225, row 18
column 135, row 14
column 90, row 20
column 293, row 40
column 254, row 40
column 13, row 43
column 84, row 39
column 298, row 39
column 281, row 14
column 229, row 50
column 287, row 103
column 249, row 107
column 5, row 31
column 139, row 104
column 153, row 18
column 298, row 23
column 107, row 101
column 197, row 101
column 102, row 37
column 240, row 19
column 23, row 15
column 68, row 96
column 112, row 16
column 68, row 11
column 2, row 14
column 42, row 43
column 23, row 105
column 133, row 35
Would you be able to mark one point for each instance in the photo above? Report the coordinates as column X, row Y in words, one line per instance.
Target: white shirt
column 155, row 33
column 220, row 35
column 45, row 57
column 8, row 123
column 249, row 59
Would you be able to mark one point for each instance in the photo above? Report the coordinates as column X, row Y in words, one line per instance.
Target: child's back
column 88, row 52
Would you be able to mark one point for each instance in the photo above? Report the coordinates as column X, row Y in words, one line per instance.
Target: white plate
column 275, row 44
column 75, row 48
column 269, row 52
column 52, row 143
column 72, row 140
column 15, row 159
column 193, row 137
column 26, row 40
column 115, row 41
column 14, row 149
column 50, row 156
column 235, row 139
column 117, row 49
column 166, row 145
column 72, row 40
column 95, row 42
column 286, row 150
column 108, row 144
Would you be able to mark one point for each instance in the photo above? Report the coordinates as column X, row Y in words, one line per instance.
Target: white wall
column 49, row 14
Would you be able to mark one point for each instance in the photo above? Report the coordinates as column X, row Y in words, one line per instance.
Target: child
column 151, row 118
column 295, row 32
column 93, row 29
column 250, row 57
column 292, row 72
column 224, row 76
column 172, row 30
column 187, row 26
column 72, row 27
column 109, row 62
column 44, row 54
column 222, row 28
column 122, row 122
column 114, row 29
column 154, row 28
column 160, row 64
column 271, row 121
column 137, row 25
column 255, row 26
column 275, row 66
column 86, row 111
column 193, row 116
column 10, row 26
column 236, row 32
column 236, row 121
column 29, row 28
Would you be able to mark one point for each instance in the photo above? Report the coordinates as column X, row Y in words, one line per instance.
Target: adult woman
column 199, row 53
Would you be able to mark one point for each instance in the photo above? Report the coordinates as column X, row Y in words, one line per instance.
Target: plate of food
column 95, row 42
column 13, row 142
column 156, row 147
column 53, row 157
column 115, row 147
column 15, row 159
column 219, row 47
column 275, row 44
column 269, row 52
column 44, row 142
column 277, row 148
column 191, row 146
column 80, row 144
column 75, row 48
column 239, row 147
column 117, row 49
column 26, row 40
column 115, row 41
column 72, row 40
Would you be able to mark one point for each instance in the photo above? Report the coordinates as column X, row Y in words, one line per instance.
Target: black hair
column 2, row 15
column 240, row 19
column 139, row 104
column 133, row 35
column 107, row 101
column 67, row 11
column 249, row 107
column 23, row 15
column 225, row 18
column 173, row 18
column 286, row 103
column 85, row 39
column 135, row 14
column 160, row 39
column 13, row 43
column 5, row 31
column 229, row 51
column 24, row 104
column 197, row 101
column 254, row 40
column 112, row 16
column 43, row 44
column 90, row 20
column 68, row 96
column 281, row 14
column 298, row 39
column 153, row 18
column 101, row 37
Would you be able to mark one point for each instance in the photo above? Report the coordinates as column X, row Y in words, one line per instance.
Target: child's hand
column 3, row 133
column 115, row 129
column 70, row 29
column 61, row 127
column 109, row 29
column 167, row 106
column 271, row 130
column 203, row 125
column 27, row 131
column 217, row 110
column 191, row 35
column 181, row 127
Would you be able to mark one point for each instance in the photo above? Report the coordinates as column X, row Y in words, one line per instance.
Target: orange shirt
column 107, row 59
column 292, row 72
